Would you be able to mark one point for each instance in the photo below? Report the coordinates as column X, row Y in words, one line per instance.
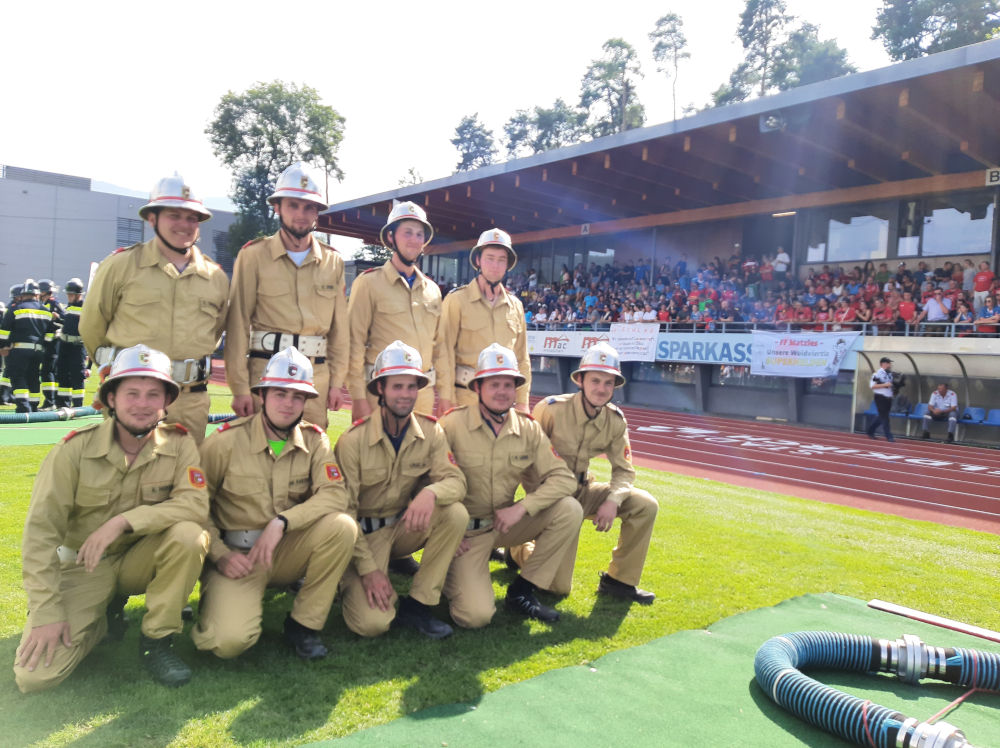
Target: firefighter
column 164, row 293
column 24, row 330
column 288, row 290
column 70, row 362
column 50, row 358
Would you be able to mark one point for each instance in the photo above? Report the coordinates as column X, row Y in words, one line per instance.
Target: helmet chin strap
column 178, row 250
column 492, row 284
column 297, row 234
column 588, row 406
column 496, row 416
column 285, row 433
column 137, row 434
column 409, row 263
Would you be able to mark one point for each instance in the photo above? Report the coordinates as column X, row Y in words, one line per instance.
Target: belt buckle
column 190, row 370
column 265, row 345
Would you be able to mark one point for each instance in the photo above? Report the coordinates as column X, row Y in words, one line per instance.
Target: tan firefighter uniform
column 139, row 297
column 270, row 294
column 83, row 482
column 468, row 325
column 381, row 483
column 249, row 487
column 577, row 439
column 493, row 467
column 383, row 308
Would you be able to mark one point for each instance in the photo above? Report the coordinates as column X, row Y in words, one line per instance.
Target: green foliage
column 739, row 87
column 260, row 132
column 373, row 253
column 543, row 129
column 914, row 28
column 803, row 59
column 474, row 143
column 607, row 91
column 669, row 48
column 412, row 176
column 761, row 30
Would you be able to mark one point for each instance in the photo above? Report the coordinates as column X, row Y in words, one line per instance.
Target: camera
column 898, row 382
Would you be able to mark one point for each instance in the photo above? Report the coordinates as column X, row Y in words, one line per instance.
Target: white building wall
column 50, row 231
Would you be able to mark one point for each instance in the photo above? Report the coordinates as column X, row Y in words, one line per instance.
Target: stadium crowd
column 741, row 293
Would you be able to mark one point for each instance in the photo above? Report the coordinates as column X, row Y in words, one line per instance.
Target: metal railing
column 923, row 329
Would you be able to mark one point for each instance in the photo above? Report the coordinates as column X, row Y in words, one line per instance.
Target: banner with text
column 636, row 341
column 805, row 354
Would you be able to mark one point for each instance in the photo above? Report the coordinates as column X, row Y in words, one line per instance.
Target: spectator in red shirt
column 981, row 284
column 882, row 316
column 843, row 315
column 823, row 315
column 906, row 311
column 803, row 314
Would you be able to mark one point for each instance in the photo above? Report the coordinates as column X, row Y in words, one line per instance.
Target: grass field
column 717, row 550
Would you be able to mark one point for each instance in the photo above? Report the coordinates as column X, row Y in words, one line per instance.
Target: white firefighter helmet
column 172, row 192
column 408, row 211
column 140, row 361
column 297, row 181
column 600, row 357
column 494, row 238
column 497, row 361
column 290, row 370
column 395, row 359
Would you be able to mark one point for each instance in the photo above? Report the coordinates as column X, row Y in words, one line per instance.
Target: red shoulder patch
column 527, row 415
column 450, row 410
column 179, row 427
column 196, row 477
column 429, row 417
column 225, row 427
column 314, row 427
column 120, row 249
column 358, row 422
column 70, row 435
column 333, row 472
column 370, row 270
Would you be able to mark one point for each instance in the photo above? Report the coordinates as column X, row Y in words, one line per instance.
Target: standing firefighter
column 582, row 426
column 6, row 396
column 406, row 489
column 117, row 508
column 288, row 290
column 71, row 356
column 278, row 515
column 47, row 290
column 24, row 329
column 394, row 302
column 164, row 293
column 496, row 446
column 475, row 315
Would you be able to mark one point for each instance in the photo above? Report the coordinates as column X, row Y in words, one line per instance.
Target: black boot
column 117, row 621
column 417, row 616
column 305, row 641
column 521, row 600
column 162, row 663
column 407, row 566
column 611, row 587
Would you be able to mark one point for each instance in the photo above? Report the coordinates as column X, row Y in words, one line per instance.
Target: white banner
column 635, row 341
column 563, row 342
column 801, row 354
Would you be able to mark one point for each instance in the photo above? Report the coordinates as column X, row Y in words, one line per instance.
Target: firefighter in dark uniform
column 71, row 355
column 23, row 331
column 5, row 390
column 51, row 353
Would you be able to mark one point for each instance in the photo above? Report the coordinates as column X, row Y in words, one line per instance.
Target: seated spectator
column 663, row 313
column 988, row 317
column 943, row 406
column 963, row 320
column 863, row 314
column 648, row 313
column 843, row 315
column 542, row 317
column 822, row 315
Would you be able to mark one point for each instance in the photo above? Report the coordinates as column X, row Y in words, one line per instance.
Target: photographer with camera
column 883, row 387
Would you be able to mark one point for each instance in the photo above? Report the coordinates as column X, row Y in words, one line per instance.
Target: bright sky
column 121, row 92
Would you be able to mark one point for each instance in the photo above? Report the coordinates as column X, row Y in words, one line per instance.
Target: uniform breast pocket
column 373, row 476
column 155, row 491
column 326, row 290
column 298, row 488
column 243, row 485
column 515, row 321
column 393, row 305
column 92, row 496
column 468, row 461
column 415, row 469
column 210, row 308
column 520, row 461
column 432, row 307
column 274, row 287
column 141, row 299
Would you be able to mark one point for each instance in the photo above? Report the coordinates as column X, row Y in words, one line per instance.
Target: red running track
column 949, row 484
column 945, row 483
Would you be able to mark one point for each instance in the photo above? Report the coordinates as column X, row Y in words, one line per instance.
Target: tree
column 372, row 253
column 803, row 59
column 543, row 129
column 914, row 28
column 607, row 91
column 474, row 143
column 669, row 48
column 761, row 31
column 739, row 87
column 412, row 176
column 262, row 130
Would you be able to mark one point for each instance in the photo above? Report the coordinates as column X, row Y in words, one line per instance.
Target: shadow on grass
column 269, row 696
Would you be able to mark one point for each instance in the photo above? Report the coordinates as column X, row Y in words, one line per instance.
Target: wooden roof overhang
column 918, row 127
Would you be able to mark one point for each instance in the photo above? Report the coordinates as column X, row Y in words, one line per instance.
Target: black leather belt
column 194, row 388
column 261, row 354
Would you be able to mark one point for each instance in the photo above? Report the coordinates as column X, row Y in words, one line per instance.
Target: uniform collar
column 393, row 276
column 260, row 443
column 277, row 250
column 475, row 421
column 376, row 433
column 503, row 297
column 103, row 444
column 152, row 256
